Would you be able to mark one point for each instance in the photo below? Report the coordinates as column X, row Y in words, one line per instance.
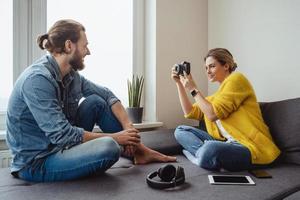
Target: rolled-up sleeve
column 195, row 113
column 231, row 95
column 40, row 96
column 89, row 88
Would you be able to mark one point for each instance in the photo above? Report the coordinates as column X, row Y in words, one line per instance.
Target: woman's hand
column 188, row 82
column 174, row 75
column 185, row 103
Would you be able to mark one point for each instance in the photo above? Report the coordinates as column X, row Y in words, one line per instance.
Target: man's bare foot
column 145, row 155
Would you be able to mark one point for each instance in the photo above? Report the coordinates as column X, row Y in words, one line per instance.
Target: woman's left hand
column 188, row 82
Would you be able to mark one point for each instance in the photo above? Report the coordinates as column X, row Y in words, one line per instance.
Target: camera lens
column 183, row 67
column 179, row 69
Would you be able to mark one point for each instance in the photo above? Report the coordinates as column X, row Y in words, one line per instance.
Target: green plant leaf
column 135, row 89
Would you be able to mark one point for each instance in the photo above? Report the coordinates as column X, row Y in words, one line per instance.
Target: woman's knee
column 180, row 132
column 208, row 156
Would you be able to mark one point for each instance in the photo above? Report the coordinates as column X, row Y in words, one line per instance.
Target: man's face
column 77, row 61
column 81, row 50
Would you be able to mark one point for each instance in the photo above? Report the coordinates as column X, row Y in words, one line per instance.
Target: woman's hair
column 58, row 34
column 223, row 56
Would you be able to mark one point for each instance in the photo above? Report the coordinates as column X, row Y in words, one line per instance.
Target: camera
column 183, row 67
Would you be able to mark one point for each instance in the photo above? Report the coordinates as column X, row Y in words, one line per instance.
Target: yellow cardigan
column 236, row 106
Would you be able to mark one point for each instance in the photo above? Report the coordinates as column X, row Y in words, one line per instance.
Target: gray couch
column 125, row 181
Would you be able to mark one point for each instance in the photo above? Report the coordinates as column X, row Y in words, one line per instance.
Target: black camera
column 183, row 67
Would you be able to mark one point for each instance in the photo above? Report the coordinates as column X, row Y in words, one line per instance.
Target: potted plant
column 135, row 89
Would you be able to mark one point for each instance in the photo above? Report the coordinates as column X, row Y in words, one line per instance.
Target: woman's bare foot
column 144, row 155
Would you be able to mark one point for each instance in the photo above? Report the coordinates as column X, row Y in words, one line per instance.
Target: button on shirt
column 42, row 110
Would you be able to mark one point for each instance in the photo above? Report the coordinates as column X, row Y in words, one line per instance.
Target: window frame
column 30, row 20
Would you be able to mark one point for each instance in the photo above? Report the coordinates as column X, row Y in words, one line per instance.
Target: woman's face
column 215, row 71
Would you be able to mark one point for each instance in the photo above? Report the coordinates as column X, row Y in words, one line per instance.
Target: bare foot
column 145, row 155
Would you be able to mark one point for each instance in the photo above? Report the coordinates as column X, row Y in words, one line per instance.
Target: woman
column 237, row 137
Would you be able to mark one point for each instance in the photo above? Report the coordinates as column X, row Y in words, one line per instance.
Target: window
column 6, row 75
column 109, row 29
column 114, row 30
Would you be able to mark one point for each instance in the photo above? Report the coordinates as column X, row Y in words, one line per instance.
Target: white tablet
column 230, row 180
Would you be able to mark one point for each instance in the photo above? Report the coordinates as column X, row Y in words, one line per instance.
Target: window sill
column 145, row 125
column 140, row 126
column 2, row 134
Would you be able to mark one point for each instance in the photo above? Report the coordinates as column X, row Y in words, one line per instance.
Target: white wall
column 179, row 28
column 264, row 38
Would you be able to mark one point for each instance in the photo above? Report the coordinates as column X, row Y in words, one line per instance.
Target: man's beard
column 76, row 61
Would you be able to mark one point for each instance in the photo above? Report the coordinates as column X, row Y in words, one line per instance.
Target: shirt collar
column 55, row 71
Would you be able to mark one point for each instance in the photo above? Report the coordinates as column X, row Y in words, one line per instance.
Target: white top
column 224, row 132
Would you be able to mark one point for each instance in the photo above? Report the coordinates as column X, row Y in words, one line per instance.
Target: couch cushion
column 294, row 196
column 130, row 184
column 283, row 119
column 161, row 140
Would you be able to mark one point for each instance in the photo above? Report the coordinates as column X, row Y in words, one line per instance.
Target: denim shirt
column 42, row 110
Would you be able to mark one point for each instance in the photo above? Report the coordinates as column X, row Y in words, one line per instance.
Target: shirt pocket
column 73, row 103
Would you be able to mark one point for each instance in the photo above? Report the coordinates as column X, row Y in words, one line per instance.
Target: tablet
column 230, row 180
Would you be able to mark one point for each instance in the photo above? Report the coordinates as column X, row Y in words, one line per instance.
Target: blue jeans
column 85, row 159
column 210, row 153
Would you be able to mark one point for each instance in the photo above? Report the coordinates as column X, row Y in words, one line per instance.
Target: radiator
column 5, row 158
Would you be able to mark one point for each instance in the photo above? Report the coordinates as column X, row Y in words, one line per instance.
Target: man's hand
column 129, row 125
column 127, row 137
column 129, row 150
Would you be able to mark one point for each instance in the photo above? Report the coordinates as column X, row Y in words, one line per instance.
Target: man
column 49, row 134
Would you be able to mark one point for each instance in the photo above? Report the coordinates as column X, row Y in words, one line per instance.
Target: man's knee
column 106, row 148
column 95, row 100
